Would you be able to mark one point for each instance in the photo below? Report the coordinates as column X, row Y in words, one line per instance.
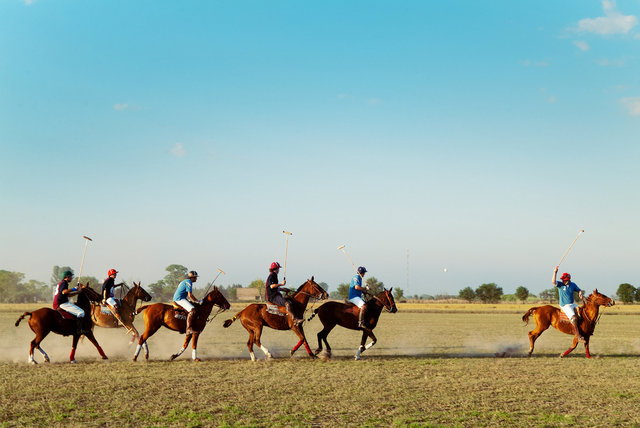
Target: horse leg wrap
column 306, row 346
column 295, row 348
column 253, row 356
column 194, row 354
column 44, row 354
column 72, row 356
column 135, row 355
column 266, row 351
column 369, row 346
column 358, row 354
column 31, row 360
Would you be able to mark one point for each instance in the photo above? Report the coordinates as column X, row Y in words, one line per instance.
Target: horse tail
column 525, row 317
column 141, row 308
column 22, row 317
column 315, row 312
column 230, row 321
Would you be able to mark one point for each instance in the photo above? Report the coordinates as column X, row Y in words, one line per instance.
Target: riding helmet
column 362, row 270
column 111, row 272
column 274, row 266
column 192, row 273
column 565, row 276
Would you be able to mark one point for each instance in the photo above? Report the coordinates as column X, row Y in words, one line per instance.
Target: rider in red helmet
column 566, row 288
column 108, row 297
column 273, row 294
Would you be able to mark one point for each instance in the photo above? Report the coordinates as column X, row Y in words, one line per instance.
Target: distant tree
column 230, row 292
column 341, row 293
column 467, row 294
column 636, row 295
column 522, row 293
column 626, row 292
column 398, row 293
column 56, row 275
column 549, row 295
column 92, row 281
column 489, row 293
column 375, row 285
column 176, row 273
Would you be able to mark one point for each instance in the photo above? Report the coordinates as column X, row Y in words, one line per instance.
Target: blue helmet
column 362, row 270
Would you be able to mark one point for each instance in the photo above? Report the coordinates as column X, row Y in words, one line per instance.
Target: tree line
column 15, row 289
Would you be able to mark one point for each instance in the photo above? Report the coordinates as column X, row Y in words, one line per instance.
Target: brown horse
column 46, row 320
column 548, row 315
column 102, row 316
column 256, row 315
column 346, row 315
column 160, row 314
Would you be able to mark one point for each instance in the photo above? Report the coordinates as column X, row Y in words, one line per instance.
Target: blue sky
column 476, row 136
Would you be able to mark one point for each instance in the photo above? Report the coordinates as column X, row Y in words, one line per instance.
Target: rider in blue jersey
column 355, row 294
column 184, row 297
column 566, row 288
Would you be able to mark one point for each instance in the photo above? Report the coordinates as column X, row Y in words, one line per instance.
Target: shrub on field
column 467, row 294
column 626, row 293
column 489, row 293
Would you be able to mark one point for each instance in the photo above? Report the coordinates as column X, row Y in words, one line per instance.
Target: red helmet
column 274, row 266
column 565, row 276
column 111, row 272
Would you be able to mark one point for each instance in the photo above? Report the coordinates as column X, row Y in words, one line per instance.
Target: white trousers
column 111, row 301
column 185, row 304
column 72, row 309
column 357, row 301
column 569, row 309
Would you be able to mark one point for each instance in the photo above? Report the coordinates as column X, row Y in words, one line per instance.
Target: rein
column 211, row 317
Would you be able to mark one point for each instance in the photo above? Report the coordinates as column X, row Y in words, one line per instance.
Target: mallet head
column 287, row 233
column 86, row 237
column 340, row 247
column 221, row 271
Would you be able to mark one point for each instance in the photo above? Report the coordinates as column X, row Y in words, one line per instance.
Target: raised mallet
column 567, row 252
column 220, row 271
column 341, row 247
column 286, row 247
column 84, row 252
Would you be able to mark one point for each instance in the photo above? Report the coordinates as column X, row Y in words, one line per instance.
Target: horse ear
column 390, row 289
column 311, row 277
column 595, row 291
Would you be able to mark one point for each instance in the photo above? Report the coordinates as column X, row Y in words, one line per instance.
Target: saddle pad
column 273, row 309
column 564, row 317
column 105, row 309
column 66, row 315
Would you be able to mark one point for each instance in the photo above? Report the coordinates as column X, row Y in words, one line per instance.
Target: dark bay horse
column 255, row 316
column 102, row 316
column 161, row 314
column 346, row 315
column 46, row 320
column 547, row 315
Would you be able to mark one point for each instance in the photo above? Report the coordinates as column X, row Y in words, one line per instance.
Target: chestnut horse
column 346, row 315
column 548, row 315
column 102, row 316
column 160, row 314
column 46, row 320
column 255, row 316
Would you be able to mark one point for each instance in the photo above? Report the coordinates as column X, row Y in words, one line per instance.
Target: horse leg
column 250, row 345
column 89, row 335
column 373, row 340
column 300, row 332
column 362, row 348
column 187, row 339
column 533, row 335
column 194, row 352
column 573, row 346
column 34, row 344
column 44, row 354
column 148, row 332
column 586, row 347
column 322, row 337
column 295, row 348
column 257, row 336
column 72, row 356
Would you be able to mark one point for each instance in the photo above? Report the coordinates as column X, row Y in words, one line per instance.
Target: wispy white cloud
column 612, row 23
column 530, row 63
column 178, row 150
column 548, row 97
column 120, row 107
column 610, row 62
column 632, row 104
column 28, row 2
column 582, row 45
column 374, row 101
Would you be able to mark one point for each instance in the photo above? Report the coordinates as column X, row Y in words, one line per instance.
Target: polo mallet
column 220, row 271
column 87, row 239
column 566, row 252
column 341, row 247
column 286, row 247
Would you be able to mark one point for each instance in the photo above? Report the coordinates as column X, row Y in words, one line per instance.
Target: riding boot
column 294, row 320
column 576, row 330
column 361, row 316
column 190, row 320
column 79, row 326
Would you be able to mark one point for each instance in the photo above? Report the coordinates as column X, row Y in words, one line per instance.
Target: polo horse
column 257, row 315
column 46, row 320
column 346, row 315
column 547, row 315
column 102, row 316
column 174, row 318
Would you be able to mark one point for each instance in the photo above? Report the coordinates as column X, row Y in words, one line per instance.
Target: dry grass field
column 433, row 366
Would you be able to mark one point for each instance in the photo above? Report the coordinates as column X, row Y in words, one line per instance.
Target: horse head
column 600, row 299
column 314, row 290
column 386, row 298
column 140, row 293
column 215, row 297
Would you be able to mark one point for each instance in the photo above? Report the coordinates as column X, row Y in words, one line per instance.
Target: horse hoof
column 197, row 360
column 134, row 359
column 173, row 357
column 104, row 357
column 33, row 362
column 73, row 362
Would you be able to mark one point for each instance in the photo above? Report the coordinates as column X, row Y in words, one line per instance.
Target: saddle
column 564, row 317
column 274, row 309
column 179, row 312
column 65, row 315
